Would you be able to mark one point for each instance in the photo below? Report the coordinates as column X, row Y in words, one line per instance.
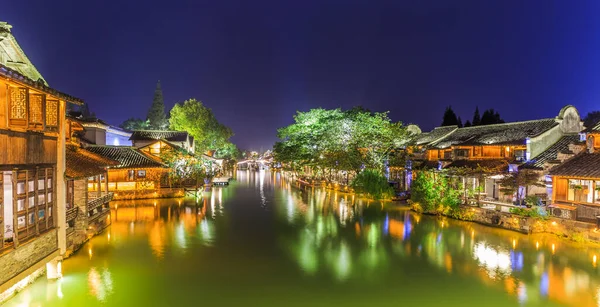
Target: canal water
column 263, row 241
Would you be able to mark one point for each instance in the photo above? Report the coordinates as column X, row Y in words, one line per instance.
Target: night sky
column 256, row 62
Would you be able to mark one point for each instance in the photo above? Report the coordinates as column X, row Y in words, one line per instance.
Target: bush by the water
column 372, row 183
column 436, row 193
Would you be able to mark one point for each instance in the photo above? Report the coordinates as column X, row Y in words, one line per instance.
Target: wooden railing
column 72, row 214
column 96, row 202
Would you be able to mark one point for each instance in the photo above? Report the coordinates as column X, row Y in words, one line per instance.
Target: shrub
column 435, row 193
column 372, row 183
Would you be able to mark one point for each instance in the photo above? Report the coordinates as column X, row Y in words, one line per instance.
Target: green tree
column 199, row 121
column 133, row 124
column 450, row 118
column 373, row 184
column 157, row 119
column 511, row 182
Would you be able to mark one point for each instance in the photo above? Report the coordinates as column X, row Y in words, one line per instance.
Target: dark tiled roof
column 594, row 128
column 496, row 164
column 434, row 135
column 583, row 165
column 148, row 135
column 15, row 75
column 82, row 163
column 550, row 155
column 128, row 157
column 499, row 134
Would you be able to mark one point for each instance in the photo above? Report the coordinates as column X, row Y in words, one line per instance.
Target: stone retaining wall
column 27, row 255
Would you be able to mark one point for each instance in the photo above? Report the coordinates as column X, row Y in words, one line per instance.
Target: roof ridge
column 510, row 123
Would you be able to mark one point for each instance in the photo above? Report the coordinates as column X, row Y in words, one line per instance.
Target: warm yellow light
column 507, row 149
column 554, row 223
column 594, row 260
column 90, row 253
column 514, row 243
column 537, row 245
column 553, row 248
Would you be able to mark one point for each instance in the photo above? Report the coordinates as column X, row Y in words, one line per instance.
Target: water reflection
column 269, row 241
column 350, row 237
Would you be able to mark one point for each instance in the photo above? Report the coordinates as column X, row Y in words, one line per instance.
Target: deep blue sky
column 256, row 62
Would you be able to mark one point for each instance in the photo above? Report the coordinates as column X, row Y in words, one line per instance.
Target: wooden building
column 497, row 149
column 32, row 168
column 87, row 197
column 576, row 182
column 138, row 174
column 143, row 138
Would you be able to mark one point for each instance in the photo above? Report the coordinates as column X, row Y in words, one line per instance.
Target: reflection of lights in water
column 537, row 245
column 386, row 225
column 205, row 231
column 522, row 292
column 108, row 236
column 100, row 285
column 90, row 252
column 373, row 236
column 491, row 259
column 343, row 262
column 263, row 199
column 553, row 248
column 180, row 236
column 514, row 243
column 308, row 256
column 594, row 260
column 544, row 284
column 212, row 205
column 598, row 296
column 343, row 209
column 516, row 259
column 290, row 208
column 59, row 292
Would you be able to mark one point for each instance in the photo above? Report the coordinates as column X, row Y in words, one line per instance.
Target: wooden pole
column 15, row 209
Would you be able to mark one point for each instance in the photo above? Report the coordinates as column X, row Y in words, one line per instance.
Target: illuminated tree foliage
column 199, row 121
column 328, row 141
column 133, row 124
column 435, row 192
column 373, row 184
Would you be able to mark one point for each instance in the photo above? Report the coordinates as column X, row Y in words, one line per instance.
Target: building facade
column 485, row 154
column 32, row 168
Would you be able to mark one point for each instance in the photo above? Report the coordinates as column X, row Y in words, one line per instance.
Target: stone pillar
column 80, row 201
column 61, row 192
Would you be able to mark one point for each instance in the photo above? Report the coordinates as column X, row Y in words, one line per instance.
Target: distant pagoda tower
column 13, row 57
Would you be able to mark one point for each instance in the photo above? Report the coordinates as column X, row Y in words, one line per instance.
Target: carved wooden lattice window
column 18, row 103
column 35, row 109
column 52, row 113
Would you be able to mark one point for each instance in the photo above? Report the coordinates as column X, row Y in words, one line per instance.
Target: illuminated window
column 131, row 175
column 580, row 191
column 141, row 173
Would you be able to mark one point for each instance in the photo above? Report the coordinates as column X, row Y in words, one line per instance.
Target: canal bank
column 566, row 229
column 262, row 241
